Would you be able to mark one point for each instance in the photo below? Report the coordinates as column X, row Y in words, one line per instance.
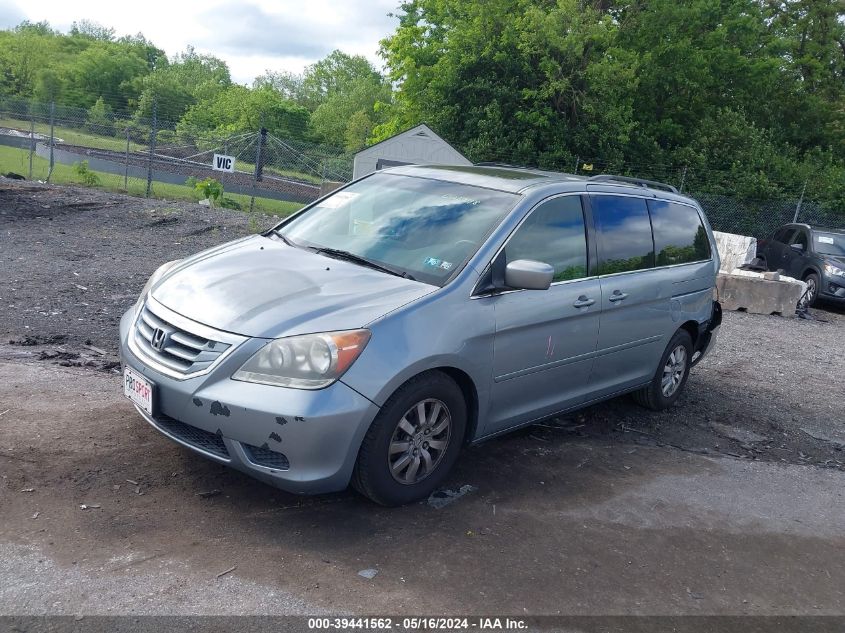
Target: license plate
column 138, row 389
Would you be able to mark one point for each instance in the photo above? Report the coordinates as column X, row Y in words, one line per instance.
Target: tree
column 92, row 30
column 237, row 109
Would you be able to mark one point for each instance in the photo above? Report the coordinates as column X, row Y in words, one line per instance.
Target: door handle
column 583, row 302
column 617, row 296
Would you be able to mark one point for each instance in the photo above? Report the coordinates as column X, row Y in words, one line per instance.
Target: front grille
column 178, row 350
column 209, row 442
column 265, row 457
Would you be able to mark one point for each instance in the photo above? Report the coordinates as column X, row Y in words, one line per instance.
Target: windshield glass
column 829, row 243
column 424, row 228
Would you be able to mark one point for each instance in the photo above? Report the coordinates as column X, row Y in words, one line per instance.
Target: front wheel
column 671, row 376
column 413, row 442
column 808, row 299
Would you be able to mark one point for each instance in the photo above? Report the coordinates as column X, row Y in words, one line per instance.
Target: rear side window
column 679, row 234
column 624, row 234
column 554, row 234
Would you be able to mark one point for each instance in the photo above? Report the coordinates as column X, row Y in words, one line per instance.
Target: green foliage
column 209, row 188
column 751, row 90
column 100, row 120
column 238, row 109
column 88, row 177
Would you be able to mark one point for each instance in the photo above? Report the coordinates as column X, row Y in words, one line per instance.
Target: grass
column 75, row 136
column 17, row 160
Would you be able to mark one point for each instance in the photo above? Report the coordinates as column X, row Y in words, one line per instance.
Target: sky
column 250, row 35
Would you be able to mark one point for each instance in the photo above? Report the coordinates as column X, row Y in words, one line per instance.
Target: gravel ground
column 728, row 503
column 75, row 259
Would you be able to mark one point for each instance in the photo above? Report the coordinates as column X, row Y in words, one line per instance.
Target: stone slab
column 752, row 293
column 734, row 250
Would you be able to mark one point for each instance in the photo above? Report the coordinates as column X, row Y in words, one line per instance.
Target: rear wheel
column 413, row 442
column 671, row 376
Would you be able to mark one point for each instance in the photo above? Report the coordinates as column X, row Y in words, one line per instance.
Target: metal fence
column 150, row 157
column 276, row 174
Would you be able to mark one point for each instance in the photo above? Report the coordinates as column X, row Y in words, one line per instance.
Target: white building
column 417, row 146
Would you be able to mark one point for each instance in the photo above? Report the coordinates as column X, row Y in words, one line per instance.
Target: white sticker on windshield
column 824, row 239
column 339, row 199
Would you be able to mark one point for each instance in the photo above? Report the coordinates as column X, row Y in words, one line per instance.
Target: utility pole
column 683, row 179
column 577, row 162
column 31, row 140
column 52, row 136
column 259, row 164
column 800, row 202
column 153, row 134
column 126, row 164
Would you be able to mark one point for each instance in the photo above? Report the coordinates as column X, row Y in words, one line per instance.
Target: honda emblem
column 159, row 339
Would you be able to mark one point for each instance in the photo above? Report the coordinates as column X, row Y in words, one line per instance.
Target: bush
column 209, row 189
column 88, row 177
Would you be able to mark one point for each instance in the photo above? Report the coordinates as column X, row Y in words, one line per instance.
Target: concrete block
column 734, row 250
column 752, row 293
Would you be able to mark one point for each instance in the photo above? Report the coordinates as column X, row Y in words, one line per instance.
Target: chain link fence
column 149, row 157
column 275, row 174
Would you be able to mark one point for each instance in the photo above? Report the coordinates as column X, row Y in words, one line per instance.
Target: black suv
column 813, row 254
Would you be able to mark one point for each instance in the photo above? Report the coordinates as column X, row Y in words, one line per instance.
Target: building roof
column 418, row 130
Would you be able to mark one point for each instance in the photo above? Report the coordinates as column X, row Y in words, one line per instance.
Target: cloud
column 307, row 31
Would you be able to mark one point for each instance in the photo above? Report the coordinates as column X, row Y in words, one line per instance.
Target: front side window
column 624, row 234
column 679, row 234
column 554, row 234
column 800, row 237
column 421, row 228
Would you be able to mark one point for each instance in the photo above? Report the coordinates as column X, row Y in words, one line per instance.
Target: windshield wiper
column 362, row 261
column 286, row 239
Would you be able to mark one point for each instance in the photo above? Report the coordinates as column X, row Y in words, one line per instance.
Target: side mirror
column 797, row 247
column 526, row 274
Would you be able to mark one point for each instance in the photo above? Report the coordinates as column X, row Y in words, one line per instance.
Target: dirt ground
column 729, row 503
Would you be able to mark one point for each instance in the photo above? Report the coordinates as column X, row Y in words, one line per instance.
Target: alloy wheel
column 419, row 441
column 673, row 371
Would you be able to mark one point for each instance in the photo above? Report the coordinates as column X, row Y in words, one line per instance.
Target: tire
column 654, row 396
column 382, row 475
column 813, row 282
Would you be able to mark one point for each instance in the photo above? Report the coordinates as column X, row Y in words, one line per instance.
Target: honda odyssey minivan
column 371, row 335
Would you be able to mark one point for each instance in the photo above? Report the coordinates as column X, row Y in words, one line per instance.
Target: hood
column 836, row 260
column 263, row 288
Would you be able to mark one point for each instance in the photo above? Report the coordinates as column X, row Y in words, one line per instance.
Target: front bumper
column 832, row 288
column 297, row 440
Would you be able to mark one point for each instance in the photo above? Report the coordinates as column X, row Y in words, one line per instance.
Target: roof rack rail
column 495, row 164
column 635, row 181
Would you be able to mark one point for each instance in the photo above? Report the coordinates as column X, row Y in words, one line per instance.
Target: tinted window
column 624, row 233
column 782, row 235
column 554, row 234
column 679, row 235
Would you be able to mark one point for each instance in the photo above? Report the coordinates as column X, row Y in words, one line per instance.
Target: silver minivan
column 370, row 336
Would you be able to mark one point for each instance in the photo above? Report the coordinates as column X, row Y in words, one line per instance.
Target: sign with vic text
column 222, row 162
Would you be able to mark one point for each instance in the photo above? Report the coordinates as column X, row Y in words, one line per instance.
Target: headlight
column 158, row 274
column 312, row 361
column 830, row 269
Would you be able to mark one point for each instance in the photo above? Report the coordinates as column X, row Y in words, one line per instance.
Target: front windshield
column 829, row 243
column 424, row 228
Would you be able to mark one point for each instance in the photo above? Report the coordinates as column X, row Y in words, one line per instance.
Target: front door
column 545, row 339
